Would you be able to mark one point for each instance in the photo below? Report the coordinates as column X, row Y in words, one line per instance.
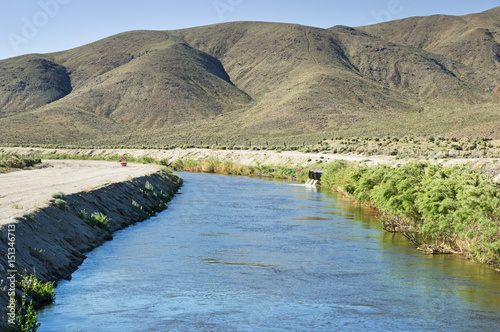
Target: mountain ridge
column 244, row 81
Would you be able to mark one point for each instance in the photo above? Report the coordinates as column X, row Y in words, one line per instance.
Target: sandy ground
column 245, row 157
column 25, row 191
column 490, row 166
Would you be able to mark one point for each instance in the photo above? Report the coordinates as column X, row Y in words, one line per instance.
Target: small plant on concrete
column 149, row 186
column 100, row 220
column 139, row 210
column 59, row 195
column 59, row 200
column 82, row 214
column 164, row 197
column 60, row 203
column 39, row 291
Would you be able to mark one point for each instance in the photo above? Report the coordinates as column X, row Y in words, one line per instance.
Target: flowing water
column 239, row 254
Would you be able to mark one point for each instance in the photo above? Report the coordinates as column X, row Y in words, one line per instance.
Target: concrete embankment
column 51, row 239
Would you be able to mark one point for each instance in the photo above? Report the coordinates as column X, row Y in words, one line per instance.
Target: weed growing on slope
column 98, row 219
column 59, row 195
column 149, row 186
column 82, row 214
column 40, row 292
column 61, row 204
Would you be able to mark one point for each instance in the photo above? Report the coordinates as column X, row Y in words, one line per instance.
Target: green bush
column 149, row 186
column 100, row 220
column 457, row 209
column 61, row 204
column 26, row 319
column 82, row 214
column 365, row 179
column 397, row 192
column 38, row 291
column 59, row 195
column 15, row 160
column 337, row 174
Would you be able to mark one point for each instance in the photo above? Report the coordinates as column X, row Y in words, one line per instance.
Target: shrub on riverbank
column 442, row 209
column 39, row 294
column 228, row 167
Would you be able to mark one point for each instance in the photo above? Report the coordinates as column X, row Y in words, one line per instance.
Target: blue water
column 239, row 254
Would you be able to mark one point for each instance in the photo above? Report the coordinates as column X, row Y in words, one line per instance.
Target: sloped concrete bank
column 51, row 242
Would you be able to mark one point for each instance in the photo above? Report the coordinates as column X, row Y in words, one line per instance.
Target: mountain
column 255, row 82
column 471, row 39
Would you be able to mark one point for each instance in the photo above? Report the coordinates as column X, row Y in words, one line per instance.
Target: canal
column 240, row 254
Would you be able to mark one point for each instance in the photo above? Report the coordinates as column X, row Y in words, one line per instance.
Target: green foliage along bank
column 440, row 209
column 22, row 316
column 228, row 167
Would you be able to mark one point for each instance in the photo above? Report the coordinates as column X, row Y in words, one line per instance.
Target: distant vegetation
column 227, row 167
column 431, row 147
column 440, row 209
column 104, row 157
column 13, row 161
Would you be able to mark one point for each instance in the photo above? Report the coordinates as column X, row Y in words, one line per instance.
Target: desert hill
column 472, row 39
column 255, row 81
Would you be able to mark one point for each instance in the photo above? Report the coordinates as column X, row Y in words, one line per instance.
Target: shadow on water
column 251, row 255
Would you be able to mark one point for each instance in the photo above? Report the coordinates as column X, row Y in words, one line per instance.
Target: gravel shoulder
column 25, row 191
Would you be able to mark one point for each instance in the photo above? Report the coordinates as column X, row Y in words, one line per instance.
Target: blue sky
column 42, row 26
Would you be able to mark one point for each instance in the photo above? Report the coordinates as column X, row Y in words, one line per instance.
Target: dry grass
column 263, row 83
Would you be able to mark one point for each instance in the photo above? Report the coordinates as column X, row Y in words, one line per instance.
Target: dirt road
column 25, row 191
